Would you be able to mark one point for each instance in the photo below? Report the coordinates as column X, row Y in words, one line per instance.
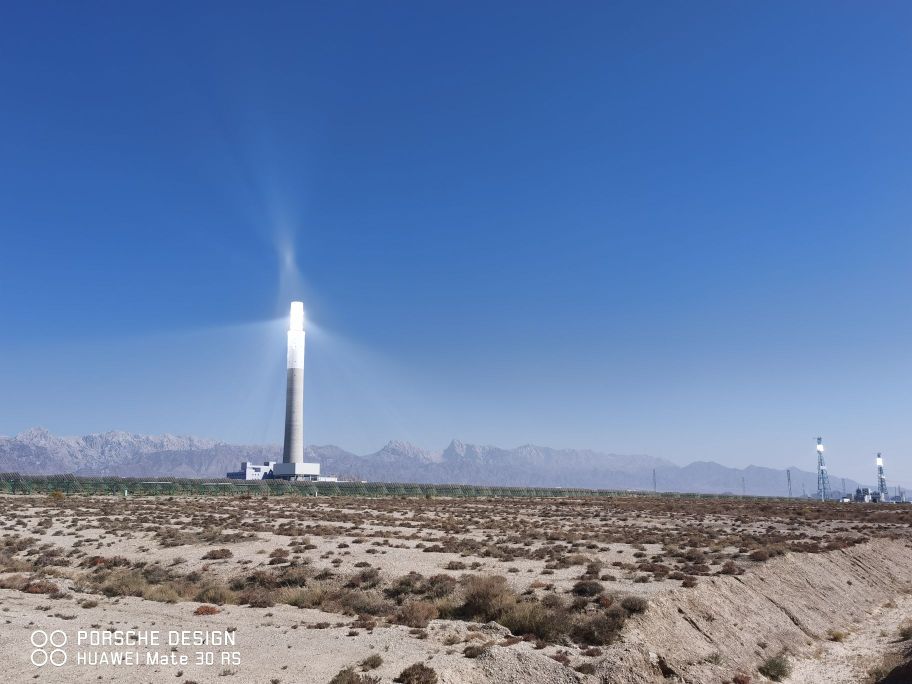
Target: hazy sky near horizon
column 680, row 229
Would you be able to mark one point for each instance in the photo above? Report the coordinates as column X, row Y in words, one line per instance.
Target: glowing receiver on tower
column 292, row 465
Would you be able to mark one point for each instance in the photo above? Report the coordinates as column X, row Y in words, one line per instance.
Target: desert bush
column 905, row 631
column 105, row 562
column 485, row 598
column 600, row 629
column 355, row 602
column 776, row 668
column 419, row 673
column 162, row 594
column 156, row 574
column 439, row 586
column 372, row 662
column 206, row 610
column 366, row 579
column 41, row 587
column 256, row 598
column 836, row 635
column 310, row 597
column 296, row 576
column 125, row 583
column 585, row 668
column 474, row 651
column 532, row 617
column 562, row 658
column 730, row 568
column 416, row 613
column 593, row 568
column 349, row 676
column 404, row 586
column 634, row 604
column 217, row 554
column 741, row 678
column 759, row 555
column 214, row 593
column 588, row 588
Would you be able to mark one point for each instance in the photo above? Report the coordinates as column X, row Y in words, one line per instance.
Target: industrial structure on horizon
column 823, row 478
column 880, row 494
column 292, row 466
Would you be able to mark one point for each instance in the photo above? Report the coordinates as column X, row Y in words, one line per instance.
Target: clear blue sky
column 680, row 229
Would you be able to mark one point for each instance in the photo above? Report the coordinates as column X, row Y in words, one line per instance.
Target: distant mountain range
column 36, row 451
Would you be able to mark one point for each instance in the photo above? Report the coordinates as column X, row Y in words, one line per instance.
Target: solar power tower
column 881, row 480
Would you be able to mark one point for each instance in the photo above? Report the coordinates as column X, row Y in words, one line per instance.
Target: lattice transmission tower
column 823, row 478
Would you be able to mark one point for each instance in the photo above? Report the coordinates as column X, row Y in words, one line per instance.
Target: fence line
column 14, row 483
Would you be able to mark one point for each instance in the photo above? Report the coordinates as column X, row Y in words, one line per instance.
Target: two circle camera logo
column 56, row 640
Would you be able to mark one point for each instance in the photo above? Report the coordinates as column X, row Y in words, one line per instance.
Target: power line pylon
column 823, row 478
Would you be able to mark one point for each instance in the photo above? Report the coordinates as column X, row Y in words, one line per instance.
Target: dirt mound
column 731, row 624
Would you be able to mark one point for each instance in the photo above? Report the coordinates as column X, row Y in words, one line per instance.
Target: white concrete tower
column 882, row 481
column 292, row 465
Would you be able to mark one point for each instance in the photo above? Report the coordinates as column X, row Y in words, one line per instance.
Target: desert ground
column 421, row 590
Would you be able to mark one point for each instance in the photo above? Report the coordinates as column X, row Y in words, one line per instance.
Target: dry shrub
column 41, row 587
column 776, row 668
column 256, row 598
column 125, row 583
column 905, row 631
column 474, row 651
column 759, row 555
column 366, row 579
column 207, row 610
column 214, row 593
column 218, row 554
column 296, row 576
column 349, row 676
column 311, row 597
column 405, row 585
column 105, row 562
column 16, row 582
column 372, row 662
column 532, row 617
column 634, row 604
column 600, row 629
column 162, row 594
column 439, row 586
column 730, row 568
column 588, row 588
column 485, row 598
column 419, row 673
column 357, row 602
column 416, row 613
